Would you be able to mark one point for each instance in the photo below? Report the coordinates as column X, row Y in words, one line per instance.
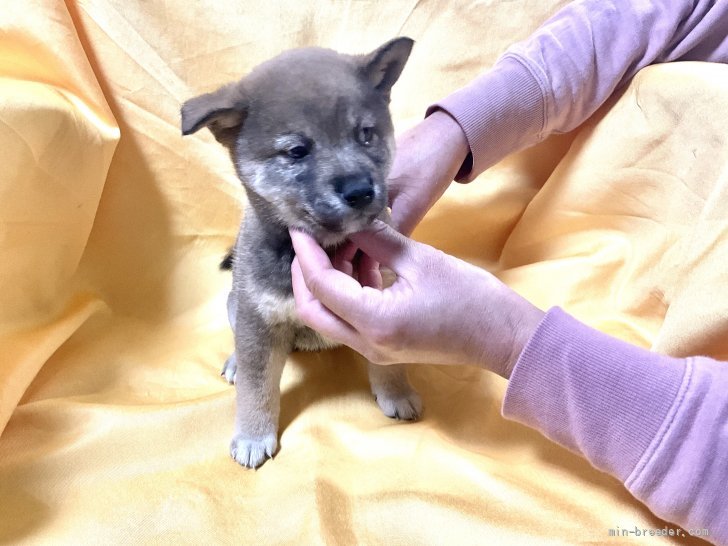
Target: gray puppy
column 311, row 138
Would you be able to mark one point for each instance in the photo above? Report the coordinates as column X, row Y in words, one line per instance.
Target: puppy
column 311, row 138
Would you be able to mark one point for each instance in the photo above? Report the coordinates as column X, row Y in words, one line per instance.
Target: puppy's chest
column 280, row 310
column 277, row 308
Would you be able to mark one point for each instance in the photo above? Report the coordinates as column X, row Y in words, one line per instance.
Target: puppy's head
column 310, row 135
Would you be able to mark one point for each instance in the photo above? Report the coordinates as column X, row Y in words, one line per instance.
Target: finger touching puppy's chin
column 322, row 236
column 330, row 233
column 327, row 238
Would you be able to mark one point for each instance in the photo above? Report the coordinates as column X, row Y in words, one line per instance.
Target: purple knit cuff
column 500, row 112
column 598, row 396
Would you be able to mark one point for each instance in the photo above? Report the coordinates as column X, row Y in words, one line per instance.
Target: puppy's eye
column 297, row 152
column 365, row 135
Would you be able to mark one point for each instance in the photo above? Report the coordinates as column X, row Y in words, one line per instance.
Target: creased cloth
column 115, row 422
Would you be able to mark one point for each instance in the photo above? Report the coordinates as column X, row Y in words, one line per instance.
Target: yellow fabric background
column 115, row 423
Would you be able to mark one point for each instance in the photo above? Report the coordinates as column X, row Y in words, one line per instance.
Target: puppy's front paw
column 406, row 405
column 253, row 452
column 229, row 369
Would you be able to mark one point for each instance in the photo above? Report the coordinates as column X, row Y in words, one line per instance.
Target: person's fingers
column 314, row 314
column 338, row 292
column 361, row 267
column 304, row 244
column 385, row 245
column 369, row 273
column 343, row 258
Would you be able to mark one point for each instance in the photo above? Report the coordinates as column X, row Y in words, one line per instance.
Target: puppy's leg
column 393, row 393
column 261, row 353
column 229, row 368
column 231, row 364
column 258, row 406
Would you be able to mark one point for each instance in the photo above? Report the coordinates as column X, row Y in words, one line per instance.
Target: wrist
column 506, row 323
column 453, row 143
column 428, row 158
column 525, row 320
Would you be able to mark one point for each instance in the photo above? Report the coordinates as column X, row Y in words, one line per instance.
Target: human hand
column 427, row 160
column 439, row 310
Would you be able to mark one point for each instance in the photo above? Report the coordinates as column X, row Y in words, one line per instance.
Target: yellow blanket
column 115, row 423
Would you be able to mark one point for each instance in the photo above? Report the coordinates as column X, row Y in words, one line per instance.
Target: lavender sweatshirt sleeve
column 657, row 423
column 553, row 81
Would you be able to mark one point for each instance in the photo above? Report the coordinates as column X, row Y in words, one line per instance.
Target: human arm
column 656, row 423
column 551, row 83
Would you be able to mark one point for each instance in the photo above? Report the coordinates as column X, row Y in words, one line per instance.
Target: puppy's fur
column 311, row 138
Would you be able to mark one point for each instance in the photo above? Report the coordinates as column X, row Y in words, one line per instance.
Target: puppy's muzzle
column 357, row 191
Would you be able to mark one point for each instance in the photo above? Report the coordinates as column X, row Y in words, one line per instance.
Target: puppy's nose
column 356, row 190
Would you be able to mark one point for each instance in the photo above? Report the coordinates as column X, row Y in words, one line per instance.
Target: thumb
column 319, row 280
column 385, row 245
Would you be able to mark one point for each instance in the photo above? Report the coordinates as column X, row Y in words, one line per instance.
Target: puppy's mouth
column 330, row 230
column 345, row 226
column 331, row 226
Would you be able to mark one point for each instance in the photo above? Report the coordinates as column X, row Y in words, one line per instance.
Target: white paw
column 252, row 452
column 229, row 369
column 406, row 406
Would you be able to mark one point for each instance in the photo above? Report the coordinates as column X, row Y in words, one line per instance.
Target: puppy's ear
column 384, row 65
column 222, row 111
